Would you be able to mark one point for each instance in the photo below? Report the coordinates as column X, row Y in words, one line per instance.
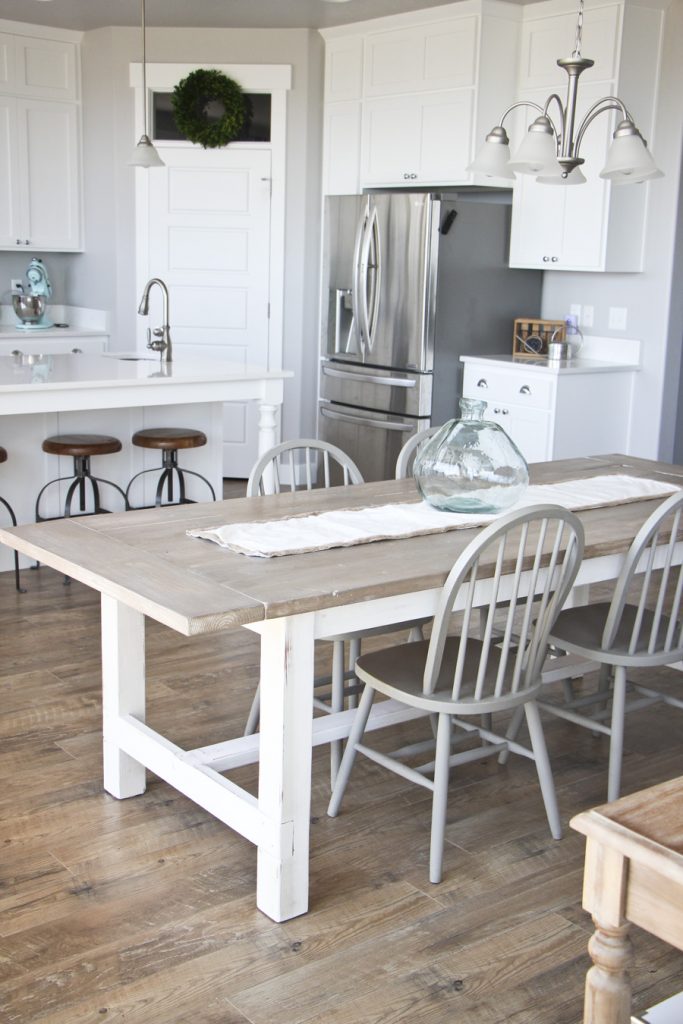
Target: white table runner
column 344, row 527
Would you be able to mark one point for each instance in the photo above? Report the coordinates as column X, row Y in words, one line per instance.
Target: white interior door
column 208, row 225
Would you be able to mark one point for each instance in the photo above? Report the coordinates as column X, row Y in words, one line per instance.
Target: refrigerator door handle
column 369, row 378
column 356, row 291
column 370, row 277
column 363, row 421
column 340, row 297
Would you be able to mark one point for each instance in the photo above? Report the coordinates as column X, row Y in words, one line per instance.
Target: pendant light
column 551, row 151
column 144, row 154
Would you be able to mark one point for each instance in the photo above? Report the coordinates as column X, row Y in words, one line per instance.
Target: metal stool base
column 170, row 473
column 13, row 518
column 81, row 479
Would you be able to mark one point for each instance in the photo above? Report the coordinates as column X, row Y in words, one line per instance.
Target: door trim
column 277, row 80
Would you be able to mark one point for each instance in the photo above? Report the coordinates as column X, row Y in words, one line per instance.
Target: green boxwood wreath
column 190, row 99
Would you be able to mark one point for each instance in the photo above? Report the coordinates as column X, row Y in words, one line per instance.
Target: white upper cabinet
column 40, row 140
column 407, row 96
column 596, row 226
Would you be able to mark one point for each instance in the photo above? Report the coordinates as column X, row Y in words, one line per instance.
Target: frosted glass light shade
column 629, row 160
column 493, row 160
column 145, row 155
column 553, row 176
column 537, row 153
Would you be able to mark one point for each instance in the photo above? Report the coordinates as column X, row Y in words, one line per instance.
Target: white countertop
column 119, row 380
column 544, row 366
column 33, row 337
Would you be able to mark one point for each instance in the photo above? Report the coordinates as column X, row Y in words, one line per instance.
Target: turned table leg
column 608, row 986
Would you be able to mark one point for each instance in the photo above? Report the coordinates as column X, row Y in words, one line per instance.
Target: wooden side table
column 633, row 875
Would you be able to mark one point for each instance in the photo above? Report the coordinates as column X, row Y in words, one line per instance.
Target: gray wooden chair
column 406, row 456
column 531, row 559
column 304, row 464
column 624, row 634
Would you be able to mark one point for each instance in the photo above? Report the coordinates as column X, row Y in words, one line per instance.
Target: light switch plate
column 618, row 317
column 587, row 316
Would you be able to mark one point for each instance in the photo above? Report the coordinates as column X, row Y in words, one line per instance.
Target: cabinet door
column 7, row 62
column 417, row 139
column 344, row 69
column 48, row 145
column 10, row 198
column 46, row 68
column 437, row 56
column 530, row 429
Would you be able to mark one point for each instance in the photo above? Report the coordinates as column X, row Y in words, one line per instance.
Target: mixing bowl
column 29, row 308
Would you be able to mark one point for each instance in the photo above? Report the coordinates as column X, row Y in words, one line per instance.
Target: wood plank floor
column 142, row 911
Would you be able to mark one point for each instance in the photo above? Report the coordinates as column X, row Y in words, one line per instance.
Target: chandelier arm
column 520, row 103
column 600, row 107
column 559, row 135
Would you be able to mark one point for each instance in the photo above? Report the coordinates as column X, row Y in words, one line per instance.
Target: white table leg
column 268, row 427
column 284, row 792
column 123, row 692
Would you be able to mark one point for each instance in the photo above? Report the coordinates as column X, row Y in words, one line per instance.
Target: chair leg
column 354, row 655
column 336, row 704
column 360, row 720
column 616, row 746
column 13, row 520
column 545, row 775
column 512, row 732
column 254, row 714
column 440, row 797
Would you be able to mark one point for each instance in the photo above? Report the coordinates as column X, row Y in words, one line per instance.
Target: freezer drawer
column 394, row 391
column 373, row 440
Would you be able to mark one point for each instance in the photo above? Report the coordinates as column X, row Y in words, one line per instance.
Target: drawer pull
column 482, row 383
column 525, row 390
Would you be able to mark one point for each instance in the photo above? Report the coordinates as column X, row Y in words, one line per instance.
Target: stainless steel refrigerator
column 411, row 281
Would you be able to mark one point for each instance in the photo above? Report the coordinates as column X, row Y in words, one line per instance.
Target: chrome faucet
column 159, row 340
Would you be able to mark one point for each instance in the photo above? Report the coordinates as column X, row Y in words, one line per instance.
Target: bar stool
column 169, row 440
column 81, row 447
column 3, row 458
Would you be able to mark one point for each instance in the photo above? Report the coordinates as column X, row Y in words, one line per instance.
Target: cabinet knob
column 77, row 351
column 554, row 259
column 27, row 242
column 505, row 411
column 482, row 383
column 546, row 259
column 18, row 241
column 525, row 389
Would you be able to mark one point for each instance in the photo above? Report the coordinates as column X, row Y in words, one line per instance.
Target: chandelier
column 144, row 154
column 551, row 149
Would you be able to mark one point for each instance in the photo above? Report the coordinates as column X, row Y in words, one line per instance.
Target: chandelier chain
column 579, row 31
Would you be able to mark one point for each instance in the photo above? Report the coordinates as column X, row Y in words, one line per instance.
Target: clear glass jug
column 471, row 465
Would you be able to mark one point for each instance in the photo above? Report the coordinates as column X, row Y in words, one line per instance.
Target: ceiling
column 90, row 14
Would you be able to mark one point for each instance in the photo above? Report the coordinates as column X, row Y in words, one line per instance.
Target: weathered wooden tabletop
column 146, row 560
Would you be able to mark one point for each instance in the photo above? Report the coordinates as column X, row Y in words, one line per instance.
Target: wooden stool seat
column 81, row 445
column 13, row 518
column 169, row 439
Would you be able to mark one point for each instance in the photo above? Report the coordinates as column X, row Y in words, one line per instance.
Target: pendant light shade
column 144, row 154
column 537, row 152
column 628, row 159
column 493, row 158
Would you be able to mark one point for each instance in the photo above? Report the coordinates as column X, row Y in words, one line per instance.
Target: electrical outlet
column 575, row 310
column 587, row 316
column 618, row 316
column 16, row 284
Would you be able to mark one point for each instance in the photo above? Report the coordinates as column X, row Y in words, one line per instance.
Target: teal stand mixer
column 30, row 305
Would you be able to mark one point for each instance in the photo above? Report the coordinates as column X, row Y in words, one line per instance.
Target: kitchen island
column 119, row 393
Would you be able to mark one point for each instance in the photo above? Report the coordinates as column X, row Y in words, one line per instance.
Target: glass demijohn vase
column 471, row 465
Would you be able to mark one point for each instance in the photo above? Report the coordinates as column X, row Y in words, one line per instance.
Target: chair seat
column 579, row 631
column 3, row 455
column 169, row 438
column 81, row 445
column 398, row 672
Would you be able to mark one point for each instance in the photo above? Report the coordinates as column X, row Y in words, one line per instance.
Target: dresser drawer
column 498, row 385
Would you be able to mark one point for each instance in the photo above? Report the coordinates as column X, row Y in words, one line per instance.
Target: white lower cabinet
column 578, row 409
column 32, row 343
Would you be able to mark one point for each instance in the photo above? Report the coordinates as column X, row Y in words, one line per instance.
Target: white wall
column 106, row 271
column 653, row 299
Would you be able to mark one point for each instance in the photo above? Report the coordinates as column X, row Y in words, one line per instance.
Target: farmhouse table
column 633, row 875
column 144, row 564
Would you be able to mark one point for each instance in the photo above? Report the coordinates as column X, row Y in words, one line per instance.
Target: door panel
column 208, row 225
